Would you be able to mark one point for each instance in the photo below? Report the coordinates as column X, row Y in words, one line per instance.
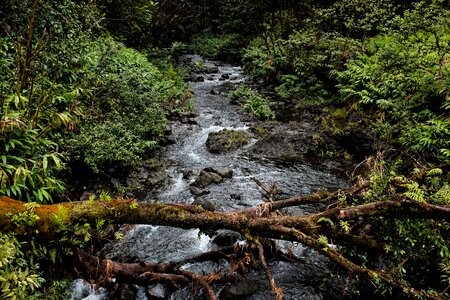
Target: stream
column 313, row 279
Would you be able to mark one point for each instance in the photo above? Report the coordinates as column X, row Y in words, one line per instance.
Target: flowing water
column 310, row 280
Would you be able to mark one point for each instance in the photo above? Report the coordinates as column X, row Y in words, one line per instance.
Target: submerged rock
column 227, row 140
column 239, row 290
column 236, row 196
column 156, row 292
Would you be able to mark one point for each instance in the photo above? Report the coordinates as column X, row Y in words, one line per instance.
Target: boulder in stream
column 198, row 191
column 239, row 290
column 224, row 173
column 206, row 178
column 227, row 140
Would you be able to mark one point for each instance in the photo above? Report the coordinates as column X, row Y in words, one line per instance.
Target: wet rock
column 198, row 191
column 210, row 78
column 284, row 141
column 204, row 203
column 209, row 70
column 199, row 79
column 224, row 173
column 188, row 120
column 236, row 196
column 149, row 175
column 239, row 290
column 187, row 174
column 207, row 178
column 226, row 238
column 225, row 76
column 183, row 117
column 156, row 292
column 214, row 92
column 138, row 176
column 123, row 292
column 227, row 140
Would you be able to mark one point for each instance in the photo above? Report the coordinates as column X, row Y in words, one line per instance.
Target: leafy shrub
column 260, row 60
column 19, row 278
column 301, row 63
column 357, row 18
column 255, row 104
column 216, row 46
column 259, row 107
column 128, row 106
column 403, row 77
column 431, row 137
column 241, row 92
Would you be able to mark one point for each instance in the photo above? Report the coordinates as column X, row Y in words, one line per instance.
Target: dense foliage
column 68, row 93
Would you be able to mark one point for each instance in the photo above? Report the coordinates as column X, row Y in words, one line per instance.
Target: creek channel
column 312, row 279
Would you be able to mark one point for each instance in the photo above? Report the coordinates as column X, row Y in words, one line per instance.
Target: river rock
column 285, row 141
column 188, row 120
column 206, row 178
column 224, row 173
column 149, row 175
column 187, row 173
column 156, row 292
column 236, row 196
column 209, row 70
column 198, row 191
column 227, row 140
column 225, row 76
column 204, row 203
column 239, row 290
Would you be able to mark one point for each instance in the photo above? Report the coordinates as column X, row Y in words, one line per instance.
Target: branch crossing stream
column 187, row 157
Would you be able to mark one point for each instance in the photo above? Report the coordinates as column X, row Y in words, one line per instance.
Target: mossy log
column 261, row 221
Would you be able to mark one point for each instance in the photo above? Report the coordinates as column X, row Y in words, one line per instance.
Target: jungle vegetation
column 94, row 82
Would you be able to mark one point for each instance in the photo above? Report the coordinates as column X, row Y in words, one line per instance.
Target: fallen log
column 252, row 223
